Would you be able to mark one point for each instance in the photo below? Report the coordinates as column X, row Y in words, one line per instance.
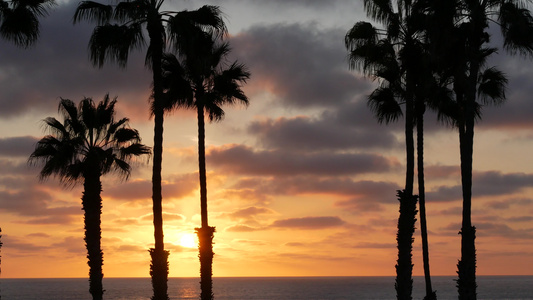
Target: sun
column 188, row 240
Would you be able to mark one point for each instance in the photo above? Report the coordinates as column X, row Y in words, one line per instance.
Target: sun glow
column 188, row 240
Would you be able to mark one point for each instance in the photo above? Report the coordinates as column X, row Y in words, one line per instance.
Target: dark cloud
column 369, row 245
column 488, row 229
column 309, row 223
column 306, row 134
column 71, row 244
column 248, row 213
column 505, row 204
column 21, row 246
column 491, row 183
column 250, row 242
column 166, row 216
column 244, row 160
column 438, row 171
column 20, row 146
column 141, row 190
column 301, row 64
column 520, row 219
column 58, row 66
column 17, row 174
column 36, row 206
column 360, row 192
column 241, row 228
column 248, row 195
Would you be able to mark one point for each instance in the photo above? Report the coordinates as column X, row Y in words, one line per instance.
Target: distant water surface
column 263, row 288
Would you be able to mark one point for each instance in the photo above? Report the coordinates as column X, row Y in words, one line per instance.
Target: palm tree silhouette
column 461, row 44
column 86, row 145
column 19, row 20
column 393, row 55
column 113, row 42
column 200, row 79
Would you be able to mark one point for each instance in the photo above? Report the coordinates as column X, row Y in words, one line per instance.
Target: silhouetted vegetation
column 461, row 47
column 113, row 42
column 201, row 80
column 19, row 20
column 392, row 55
column 88, row 143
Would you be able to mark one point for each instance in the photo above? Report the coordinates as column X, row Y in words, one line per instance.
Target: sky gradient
column 300, row 183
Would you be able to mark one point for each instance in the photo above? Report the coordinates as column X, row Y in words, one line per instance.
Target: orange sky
column 302, row 183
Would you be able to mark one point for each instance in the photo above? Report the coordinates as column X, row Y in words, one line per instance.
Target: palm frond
column 135, row 149
column 75, row 147
column 114, row 42
column 492, row 86
column 517, row 28
column 20, row 26
column 383, row 104
column 194, row 25
column 93, row 12
column 127, row 11
column 38, row 7
column 126, row 135
column 379, row 10
column 113, row 127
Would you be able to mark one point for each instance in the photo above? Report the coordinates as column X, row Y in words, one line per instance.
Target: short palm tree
column 19, row 20
column 201, row 80
column 86, row 145
column 120, row 30
column 461, row 42
column 392, row 55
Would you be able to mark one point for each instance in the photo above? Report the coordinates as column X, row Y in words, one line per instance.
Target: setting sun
column 188, row 240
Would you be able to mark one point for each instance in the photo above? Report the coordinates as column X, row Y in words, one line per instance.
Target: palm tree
column 19, row 20
column 463, row 33
column 200, row 79
column 86, row 145
column 392, row 56
column 113, row 42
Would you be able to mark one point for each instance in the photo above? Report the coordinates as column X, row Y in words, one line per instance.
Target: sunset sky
column 300, row 183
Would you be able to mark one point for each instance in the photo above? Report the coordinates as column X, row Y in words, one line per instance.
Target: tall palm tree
column 19, row 20
column 392, row 56
column 113, row 42
column 465, row 26
column 86, row 145
column 200, row 79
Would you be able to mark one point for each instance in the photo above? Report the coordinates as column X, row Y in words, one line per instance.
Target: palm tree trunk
column 407, row 218
column 205, row 233
column 201, row 165
column 92, row 206
column 430, row 294
column 466, row 267
column 404, row 238
column 159, row 264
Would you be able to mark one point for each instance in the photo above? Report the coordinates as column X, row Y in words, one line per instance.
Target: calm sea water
column 263, row 288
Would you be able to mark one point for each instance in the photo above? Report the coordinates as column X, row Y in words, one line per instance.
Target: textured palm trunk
column 92, row 207
column 159, row 264
column 404, row 238
column 466, row 267
column 430, row 294
column 407, row 218
column 205, row 233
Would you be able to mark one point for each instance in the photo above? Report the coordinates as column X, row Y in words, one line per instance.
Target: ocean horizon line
column 285, row 276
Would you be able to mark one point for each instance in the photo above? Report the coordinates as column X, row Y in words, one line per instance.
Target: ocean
column 263, row 288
